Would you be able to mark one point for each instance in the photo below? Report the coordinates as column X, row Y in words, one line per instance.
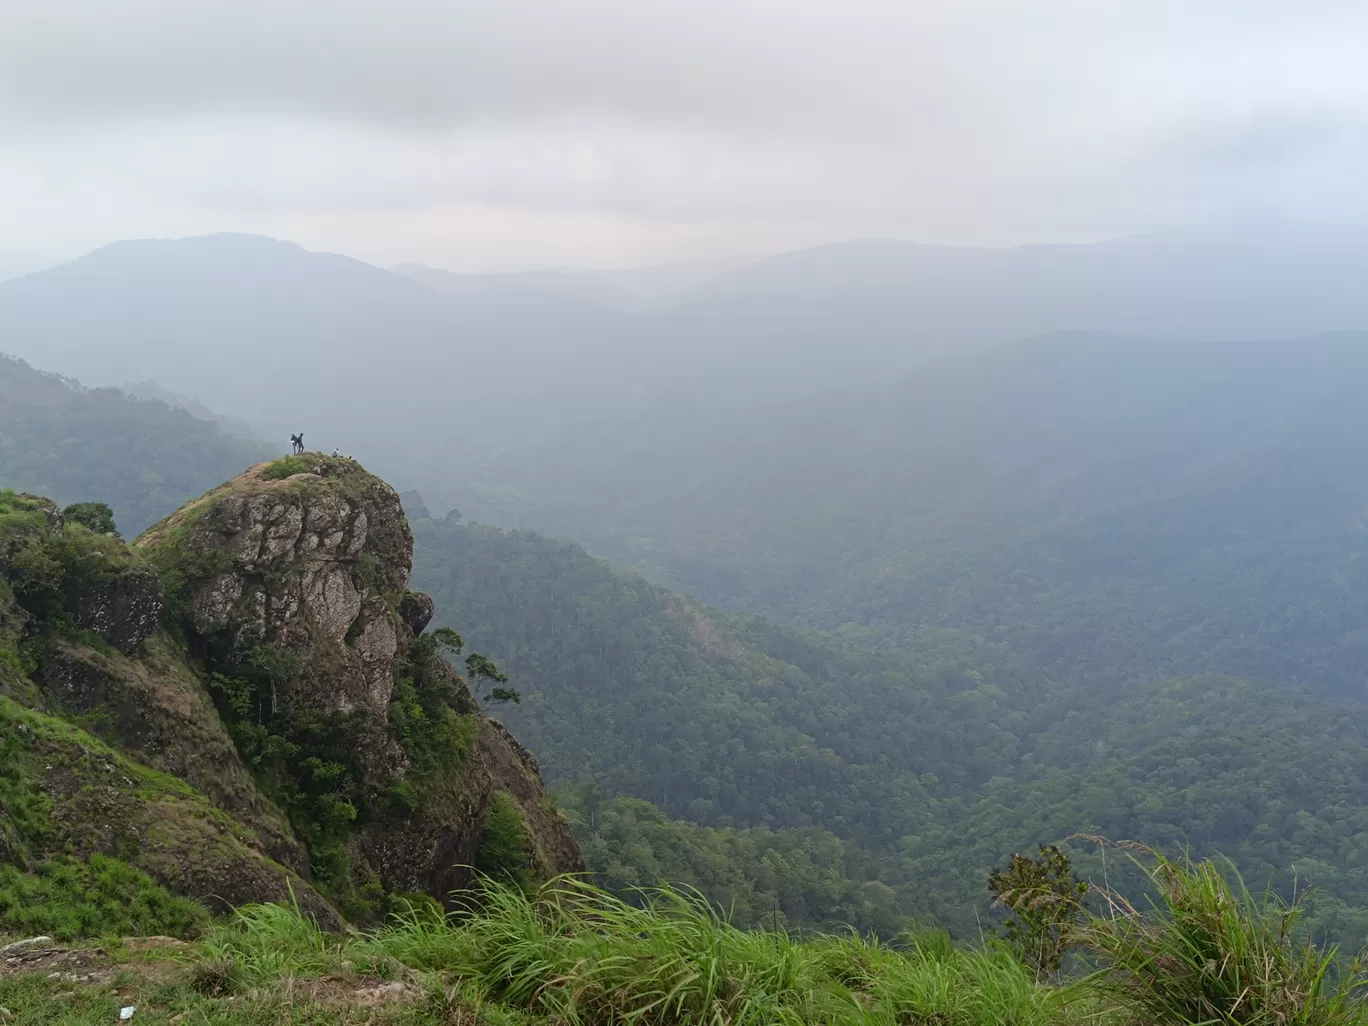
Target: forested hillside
column 872, row 773
column 75, row 444
column 930, row 752
column 1110, row 508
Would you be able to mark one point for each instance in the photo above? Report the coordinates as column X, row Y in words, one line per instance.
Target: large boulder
column 416, row 610
column 313, row 563
column 310, row 557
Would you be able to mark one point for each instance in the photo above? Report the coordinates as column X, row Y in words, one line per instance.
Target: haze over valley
column 507, row 509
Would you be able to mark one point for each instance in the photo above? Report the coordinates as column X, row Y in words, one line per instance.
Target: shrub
column 1208, row 952
column 1045, row 901
column 505, row 852
column 96, row 516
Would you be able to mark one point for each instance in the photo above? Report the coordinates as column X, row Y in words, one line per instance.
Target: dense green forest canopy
column 143, row 457
column 928, row 752
column 1015, row 676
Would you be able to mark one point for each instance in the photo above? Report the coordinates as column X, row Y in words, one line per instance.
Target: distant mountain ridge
column 392, row 370
column 587, row 288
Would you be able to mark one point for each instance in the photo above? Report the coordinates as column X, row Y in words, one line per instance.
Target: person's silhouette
column 297, row 442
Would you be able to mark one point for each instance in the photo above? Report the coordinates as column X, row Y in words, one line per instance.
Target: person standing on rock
column 297, row 442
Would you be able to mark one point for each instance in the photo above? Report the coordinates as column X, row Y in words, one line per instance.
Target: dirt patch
column 68, row 965
column 96, row 965
column 349, row 992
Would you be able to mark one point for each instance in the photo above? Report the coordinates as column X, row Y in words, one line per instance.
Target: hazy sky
column 498, row 133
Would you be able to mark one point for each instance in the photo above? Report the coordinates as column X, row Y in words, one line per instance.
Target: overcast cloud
column 500, row 133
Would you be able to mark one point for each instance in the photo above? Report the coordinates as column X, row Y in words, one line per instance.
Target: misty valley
column 891, row 655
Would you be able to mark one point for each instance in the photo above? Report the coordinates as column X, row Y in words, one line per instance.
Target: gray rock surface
column 127, row 610
column 416, row 610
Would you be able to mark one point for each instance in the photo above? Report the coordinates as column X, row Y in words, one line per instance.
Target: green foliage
column 1045, row 901
column 800, row 879
column 25, row 809
column 505, row 851
column 1209, row 952
column 20, row 515
column 265, row 942
column 573, row 953
column 448, row 639
column 96, row 516
column 304, row 760
column 480, row 669
column 53, row 573
column 287, row 466
column 68, row 899
column 36, row 576
column 431, row 712
column 927, row 752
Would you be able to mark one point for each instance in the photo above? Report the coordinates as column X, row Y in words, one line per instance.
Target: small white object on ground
column 126, row 1012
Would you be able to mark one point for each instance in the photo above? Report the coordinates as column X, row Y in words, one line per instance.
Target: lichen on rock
column 271, row 717
column 310, row 558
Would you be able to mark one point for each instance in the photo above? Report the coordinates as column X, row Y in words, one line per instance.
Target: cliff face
column 314, row 564
column 260, row 648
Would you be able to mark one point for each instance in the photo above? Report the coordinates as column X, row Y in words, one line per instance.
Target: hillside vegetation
column 242, row 707
column 927, row 752
column 74, row 444
column 1206, row 953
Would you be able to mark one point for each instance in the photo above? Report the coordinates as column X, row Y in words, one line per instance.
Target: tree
column 1045, row 903
column 448, row 639
column 482, row 668
column 97, row 516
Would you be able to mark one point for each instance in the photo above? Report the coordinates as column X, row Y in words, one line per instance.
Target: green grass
column 572, row 955
column 67, row 899
column 1209, row 952
column 505, row 851
column 288, row 466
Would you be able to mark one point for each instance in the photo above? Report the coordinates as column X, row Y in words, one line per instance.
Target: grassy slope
column 572, row 955
column 65, row 792
column 1207, row 953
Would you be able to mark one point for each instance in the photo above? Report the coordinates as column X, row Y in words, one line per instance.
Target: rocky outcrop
column 125, row 608
column 268, row 625
column 313, row 564
column 311, row 557
column 416, row 610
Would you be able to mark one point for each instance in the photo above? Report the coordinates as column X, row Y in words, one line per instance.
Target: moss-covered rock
column 243, row 704
column 55, row 567
column 69, row 794
column 312, row 562
column 155, row 708
column 310, row 557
